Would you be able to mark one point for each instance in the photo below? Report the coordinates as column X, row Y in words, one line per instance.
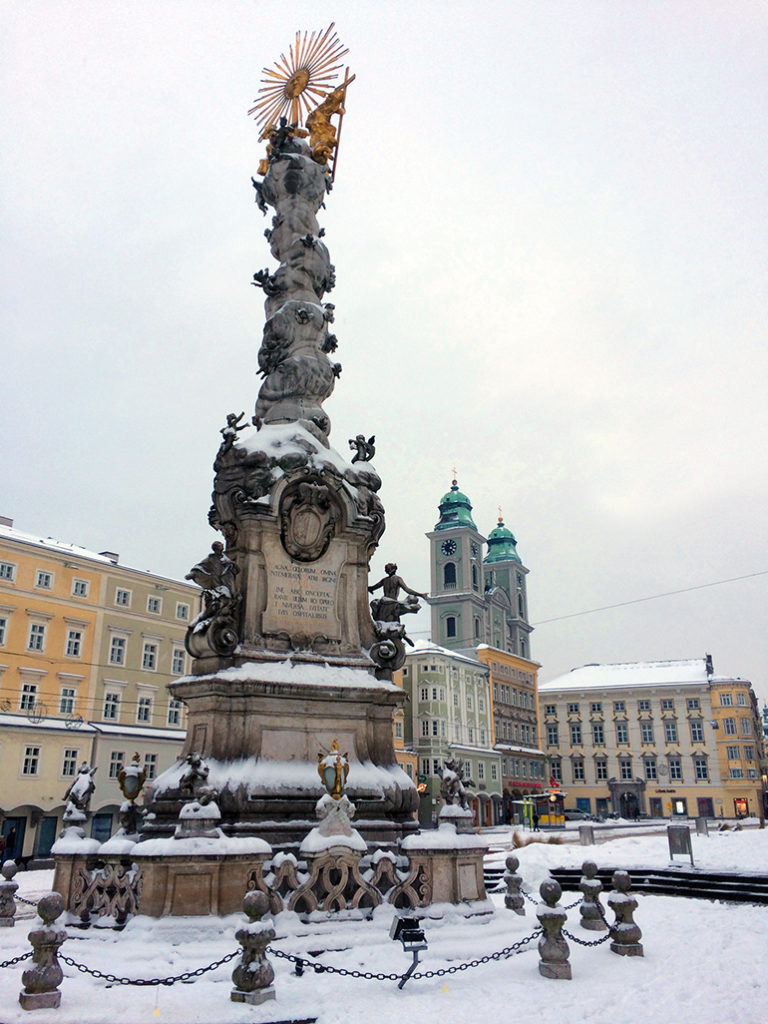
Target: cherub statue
column 229, row 432
column 364, row 450
column 452, row 784
column 194, row 778
column 78, row 796
column 216, row 575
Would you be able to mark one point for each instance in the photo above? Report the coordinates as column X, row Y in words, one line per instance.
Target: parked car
column 573, row 815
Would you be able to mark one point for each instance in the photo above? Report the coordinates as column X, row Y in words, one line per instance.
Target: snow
column 444, row 838
column 631, row 673
column 197, row 846
column 302, row 673
column 704, row 962
column 427, row 647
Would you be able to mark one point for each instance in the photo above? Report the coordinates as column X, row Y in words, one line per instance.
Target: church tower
column 505, row 591
column 457, row 585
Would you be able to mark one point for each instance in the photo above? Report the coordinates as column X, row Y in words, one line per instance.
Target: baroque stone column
column 286, row 654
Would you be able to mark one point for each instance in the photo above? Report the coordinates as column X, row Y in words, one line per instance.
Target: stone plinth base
column 7, row 922
column 454, row 863
column 198, row 881
column 40, row 1000
column 635, row 949
column 261, row 995
column 556, row 971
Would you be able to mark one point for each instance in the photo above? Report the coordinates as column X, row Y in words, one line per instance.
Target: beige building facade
column 648, row 738
column 87, row 647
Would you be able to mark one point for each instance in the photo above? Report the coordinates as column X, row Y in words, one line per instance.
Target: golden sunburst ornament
column 300, row 81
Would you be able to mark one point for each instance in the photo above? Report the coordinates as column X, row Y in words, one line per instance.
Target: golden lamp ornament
column 333, row 770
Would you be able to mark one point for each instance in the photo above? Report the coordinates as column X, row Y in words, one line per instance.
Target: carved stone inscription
column 302, row 597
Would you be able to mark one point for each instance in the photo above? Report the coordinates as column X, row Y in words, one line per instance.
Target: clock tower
column 457, row 583
column 506, row 588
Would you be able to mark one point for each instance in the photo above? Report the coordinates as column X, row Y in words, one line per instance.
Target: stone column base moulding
column 455, row 864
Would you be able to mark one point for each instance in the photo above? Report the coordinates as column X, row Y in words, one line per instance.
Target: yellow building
column 738, row 738
column 87, row 647
column 406, row 756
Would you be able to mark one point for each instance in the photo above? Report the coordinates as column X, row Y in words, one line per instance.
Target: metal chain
column 17, row 959
column 30, row 903
column 536, row 902
column 300, row 962
column 114, row 980
column 585, row 942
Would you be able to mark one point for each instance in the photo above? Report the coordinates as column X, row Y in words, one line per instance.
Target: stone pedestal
column 454, row 862
column 42, row 978
column 7, row 892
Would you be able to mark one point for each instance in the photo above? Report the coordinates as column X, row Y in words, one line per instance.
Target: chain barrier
column 586, row 942
column 114, row 980
column 501, row 954
column 30, row 903
column 536, row 902
column 16, row 959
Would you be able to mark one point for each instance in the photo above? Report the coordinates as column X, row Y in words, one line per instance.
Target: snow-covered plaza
column 703, row 961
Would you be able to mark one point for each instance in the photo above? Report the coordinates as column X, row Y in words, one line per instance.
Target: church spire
column 455, row 509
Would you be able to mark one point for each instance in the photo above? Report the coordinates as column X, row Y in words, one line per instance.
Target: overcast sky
column 550, row 232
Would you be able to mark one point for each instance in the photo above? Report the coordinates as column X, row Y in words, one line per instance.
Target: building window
column 692, row 703
column 74, row 643
column 177, row 661
column 450, row 626
column 733, row 753
column 424, row 693
column 435, row 766
column 3, row 630
column 737, row 773
column 434, row 693
column 550, row 709
column 455, row 700
column 700, row 767
column 149, row 657
column 481, row 770
column 409, row 769
column 670, row 732
column 622, row 732
column 449, row 576
column 471, row 732
column 556, row 769
column 154, row 604
column 578, row 770
column 729, row 726
column 601, row 770
column 494, row 772
column 111, row 706
column 573, row 709
column 646, row 732
column 619, row 705
column 741, row 699
column 675, row 769
column 596, row 707
column 43, row 579
column 625, row 768
column 469, row 702
column 598, row 734
column 477, row 628
column 667, row 704
column 7, row 572
column 123, row 598
column 425, row 766
column 575, row 734
column 697, row 730
column 117, row 646
column 650, row 769
column 31, row 764
column 552, row 736
column 482, row 737
column 150, row 765
column 481, row 703
column 67, row 700
column 69, row 764
column 751, row 773
column 28, row 697
column 749, row 753
column 398, row 730
column 746, row 727
column 182, row 611
column 434, row 727
column 174, row 711
column 80, row 588
column 425, row 727
column 643, row 705
column 116, row 759
column 36, row 641
column 726, row 700
column 144, row 710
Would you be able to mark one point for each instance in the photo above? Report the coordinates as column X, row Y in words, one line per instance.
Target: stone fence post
column 254, row 975
column 625, row 934
column 41, row 981
column 7, row 890
column 553, row 949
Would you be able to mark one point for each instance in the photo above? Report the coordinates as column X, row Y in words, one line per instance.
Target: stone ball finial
column 589, row 869
column 621, row 881
column 550, row 891
column 512, row 863
column 255, row 905
column 9, row 869
column 50, row 907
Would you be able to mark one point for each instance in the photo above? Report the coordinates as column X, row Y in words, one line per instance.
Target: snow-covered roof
column 24, row 722
column 509, row 748
column 139, row 731
column 428, row 647
column 630, row 673
column 60, row 547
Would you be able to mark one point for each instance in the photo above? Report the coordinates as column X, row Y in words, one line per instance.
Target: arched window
column 520, row 607
column 474, row 577
column 450, row 626
column 449, row 574
column 477, row 627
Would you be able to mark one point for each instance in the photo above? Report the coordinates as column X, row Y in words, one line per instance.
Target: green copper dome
column 502, row 545
column 455, row 510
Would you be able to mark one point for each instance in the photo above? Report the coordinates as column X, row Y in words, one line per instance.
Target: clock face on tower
column 448, row 547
